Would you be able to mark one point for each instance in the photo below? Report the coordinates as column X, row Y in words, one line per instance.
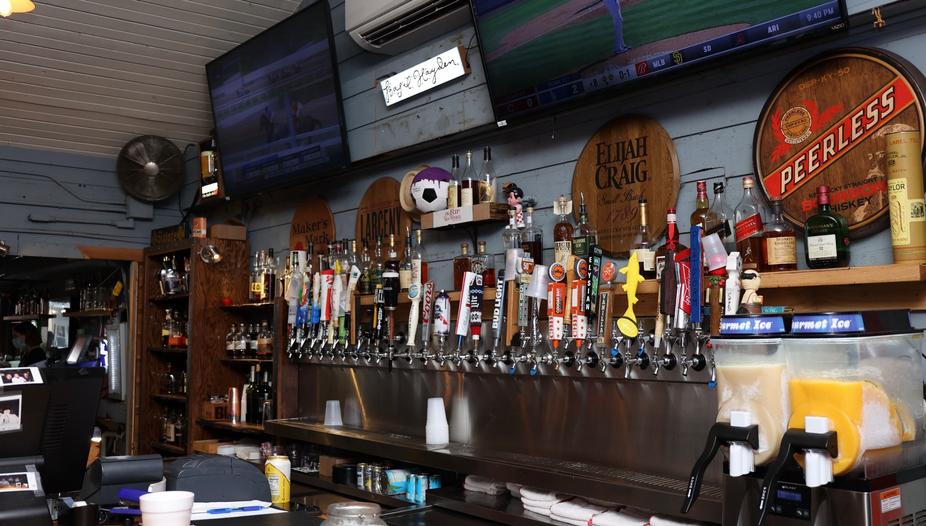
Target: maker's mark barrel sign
column 380, row 213
column 312, row 225
column 626, row 158
column 826, row 124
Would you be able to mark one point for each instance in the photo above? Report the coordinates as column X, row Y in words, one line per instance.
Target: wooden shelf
column 482, row 213
column 168, row 448
column 171, row 298
column 89, row 314
column 28, row 317
column 175, row 398
column 248, row 307
column 170, row 248
column 247, row 361
column 488, row 295
column 169, row 352
column 225, row 425
column 325, row 483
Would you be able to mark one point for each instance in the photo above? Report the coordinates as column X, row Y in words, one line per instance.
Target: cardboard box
column 215, row 410
column 325, row 463
column 206, row 446
column 471, row 214
column 227, row 231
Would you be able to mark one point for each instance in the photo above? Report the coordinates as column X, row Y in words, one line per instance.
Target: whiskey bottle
column 562, row 231
column 392, row 261
column 453, row 189
column 749, row 228
column 585, row 234
column 646, row 256
column 405, row 269
column 419, row 260
column 256, row 288
column 270, row 277
column 461, row 265
column 826, row 235
column 264, row 341
column 469, row 184
column 702, row 215
column 487, row 182
column 364, row 286
column 531, row 238
column 665, row 254
column 724, row 217
column 779, row 242
column 482, row 264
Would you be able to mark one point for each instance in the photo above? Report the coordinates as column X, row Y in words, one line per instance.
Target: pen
column 217, row 511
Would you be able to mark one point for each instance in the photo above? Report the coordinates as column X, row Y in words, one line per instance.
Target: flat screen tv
column 277, row 106
column 543, row 53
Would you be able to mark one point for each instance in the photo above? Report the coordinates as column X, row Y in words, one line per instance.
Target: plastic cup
column 539, row 281
column 436, row 430
column 714, row 253
column 166, row 508
column 333, row 413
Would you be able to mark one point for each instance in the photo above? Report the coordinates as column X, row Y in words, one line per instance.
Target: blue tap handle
column 696, row 272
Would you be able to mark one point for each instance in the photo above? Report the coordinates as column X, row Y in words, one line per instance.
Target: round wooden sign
column 312, row 224
column 380, row 214
column 626, row 158
column 826, row 124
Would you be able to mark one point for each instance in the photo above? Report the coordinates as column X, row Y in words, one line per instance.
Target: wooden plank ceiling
column 85, row 76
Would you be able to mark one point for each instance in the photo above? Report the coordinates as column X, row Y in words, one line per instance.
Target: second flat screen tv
column 277, row 106
column 542, row 53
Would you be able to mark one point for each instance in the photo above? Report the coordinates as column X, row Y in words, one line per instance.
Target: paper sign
column 431, row 73
column 453, row 216
column 20, row 376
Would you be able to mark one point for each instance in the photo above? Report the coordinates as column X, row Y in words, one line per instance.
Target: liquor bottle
column 170, row 380
column 511, row 236
column 420, row 259
column 392, row 260
column 562, row 231
column 405, row 269
column 230, row 342
column 469, row 183
column 252, row 340
column 179, row 428
column 168, row 435
column 488, row 184
column 264, row 398
column 461, row 265
column 585, row 234
column 250, row 395
column 165, row 329
column 264, row 341
column 702, row 214
column 482, row 264
column 665, row 254
column 646, row 256
column 779, row 242
column 270, row 277
column 376, row 272
column 175, row 338
column 826, row 235
column 353, row 259
column 241, row 342
column 453, row 189
column 256, row 288
column 749, row 227
column 364, row 286
column 532, row 238
column 724, row 218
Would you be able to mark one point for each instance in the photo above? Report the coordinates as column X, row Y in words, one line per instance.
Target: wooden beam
column 112, row 253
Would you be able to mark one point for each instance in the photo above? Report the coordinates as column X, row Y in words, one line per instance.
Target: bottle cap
column 702, row 186
column 718, row 188
column 823, row 195
column 748, row 182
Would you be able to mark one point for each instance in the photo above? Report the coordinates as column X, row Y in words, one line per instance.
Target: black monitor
column 56, row 425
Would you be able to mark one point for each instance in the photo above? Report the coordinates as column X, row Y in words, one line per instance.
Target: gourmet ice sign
column 827, row 323
column 751, row 326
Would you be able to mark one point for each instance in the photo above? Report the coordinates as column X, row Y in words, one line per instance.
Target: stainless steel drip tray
column 650, row 492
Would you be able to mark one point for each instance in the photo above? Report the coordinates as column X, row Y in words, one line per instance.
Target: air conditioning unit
column 393, row 26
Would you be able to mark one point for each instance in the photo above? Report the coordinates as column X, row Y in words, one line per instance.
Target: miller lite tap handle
column 463, row 309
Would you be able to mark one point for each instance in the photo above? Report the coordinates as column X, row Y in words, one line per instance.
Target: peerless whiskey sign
column 826, row 124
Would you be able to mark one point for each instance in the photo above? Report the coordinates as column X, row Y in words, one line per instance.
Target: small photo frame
column 20, row 376
column 20, row 481
column 11, row 412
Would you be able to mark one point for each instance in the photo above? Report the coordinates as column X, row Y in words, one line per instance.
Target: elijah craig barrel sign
column 826, row 124
column 626, row 158
column 380, row 213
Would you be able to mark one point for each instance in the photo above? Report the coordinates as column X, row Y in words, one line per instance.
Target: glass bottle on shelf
column 365, row 278
column 488, row 184
column 532, row 238
column 241, row 342
column 469, row 185
column 392, row 259
column 665, row 254
column 270, row 277
column 170, row 380
column 779, row 242
column 511, row 236
column 264, row 342
column 646, row 257
column 562, row 231
column 165, row 329
column 453, row 189
column 826, row 235
column 175, row 337
column 252, row 340
column 184, row 382
column 461, row 265
column 179, row 429
column 250, row 394
column 585, row 234
column 724, row 218
column 405, row 268
column 230, row 342
column 265, row 398
column 164, row 432
column 353, row 259
column 482, row 264
column 376, row 273
column 256, row 288
column 420, row 258
column 749, row 219
column 702, row 215
column 186, row 274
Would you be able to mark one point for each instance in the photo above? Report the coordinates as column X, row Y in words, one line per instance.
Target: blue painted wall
column 711, row 116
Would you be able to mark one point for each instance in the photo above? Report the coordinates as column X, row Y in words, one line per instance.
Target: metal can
column 411, row 487
column 277, row 470
column 421, row 487
column 368, row 477
column 199, row 227
column 361, row 476
column 434, row 481
column 376, row 485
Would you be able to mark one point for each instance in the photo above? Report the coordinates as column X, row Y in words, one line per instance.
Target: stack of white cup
column 333, row 413
column 437, row 430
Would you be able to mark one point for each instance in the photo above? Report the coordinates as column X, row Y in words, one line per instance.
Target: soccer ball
column 429, row 189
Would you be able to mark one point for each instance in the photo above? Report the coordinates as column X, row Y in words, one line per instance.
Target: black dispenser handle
column 721, row 433
column 794, row 441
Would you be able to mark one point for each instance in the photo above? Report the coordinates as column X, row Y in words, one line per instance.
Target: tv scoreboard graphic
column 600, row 77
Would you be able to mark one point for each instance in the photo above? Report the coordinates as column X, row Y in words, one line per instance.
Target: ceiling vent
column 393, row 26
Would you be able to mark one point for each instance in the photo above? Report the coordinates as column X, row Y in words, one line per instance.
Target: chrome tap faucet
column 668, row 360
column 696, row 361
column 641, row 357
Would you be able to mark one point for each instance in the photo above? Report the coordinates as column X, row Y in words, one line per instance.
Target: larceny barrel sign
column 626, row 158
column 826, row 124
column 380, row 213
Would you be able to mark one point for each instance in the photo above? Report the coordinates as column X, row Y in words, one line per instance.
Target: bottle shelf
column 28, row 317
column 249, row 307
column 168, row 449
column 169, row 350
column 465, row 216
column 174, row 398
column 170, row 298
column 226, row 425
column 102, row 313
column 247, row 361
column 488, row 295
column 170, row 248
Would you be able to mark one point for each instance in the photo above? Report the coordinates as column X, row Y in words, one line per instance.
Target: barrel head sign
column 826, row 124
column 312, row 225
column 626, row 158
column 380, row 213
